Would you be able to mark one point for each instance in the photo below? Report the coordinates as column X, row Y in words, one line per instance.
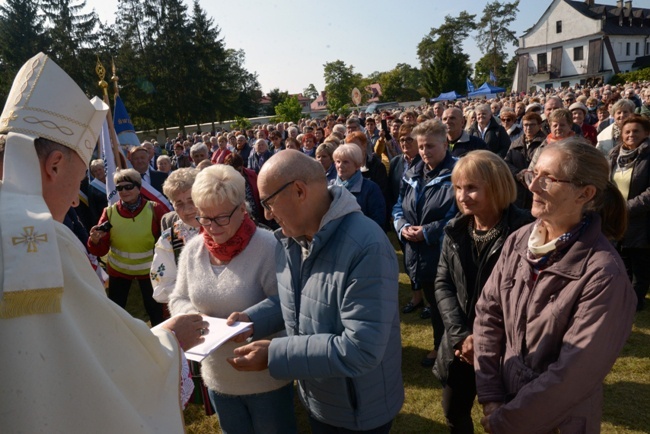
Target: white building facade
column 581, row 42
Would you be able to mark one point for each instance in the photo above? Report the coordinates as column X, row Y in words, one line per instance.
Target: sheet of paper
column 219, row 334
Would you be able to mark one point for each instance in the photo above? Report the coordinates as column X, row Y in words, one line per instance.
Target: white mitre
column 43, row 102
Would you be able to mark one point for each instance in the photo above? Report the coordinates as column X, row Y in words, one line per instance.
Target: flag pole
column 101, row 73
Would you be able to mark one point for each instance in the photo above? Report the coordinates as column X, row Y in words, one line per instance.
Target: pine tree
column 21, row 37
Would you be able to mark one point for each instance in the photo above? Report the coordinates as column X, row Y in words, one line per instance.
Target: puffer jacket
column 638, row 200
column 455, row 300
column 544, row 347
column 339, row 304
column 430, row 205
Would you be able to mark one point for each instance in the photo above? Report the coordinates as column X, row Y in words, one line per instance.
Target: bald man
column 337, row 299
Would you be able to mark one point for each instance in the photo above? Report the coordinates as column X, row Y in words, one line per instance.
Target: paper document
column 219, row 334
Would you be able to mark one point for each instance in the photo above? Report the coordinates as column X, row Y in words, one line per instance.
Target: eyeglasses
column 265, row 202
column 222, row 220
column 569, row 100
column 127, row 187
column 406, row 139
column 544, row 181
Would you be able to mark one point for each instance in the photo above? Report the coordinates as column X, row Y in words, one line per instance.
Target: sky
column 287, row 42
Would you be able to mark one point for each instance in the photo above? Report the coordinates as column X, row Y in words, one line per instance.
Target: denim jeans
column 261, row 413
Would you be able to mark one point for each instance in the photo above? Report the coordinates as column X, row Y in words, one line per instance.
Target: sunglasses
column 127, row 187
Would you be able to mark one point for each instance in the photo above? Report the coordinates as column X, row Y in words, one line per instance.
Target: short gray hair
column 623, row 104
column 198, row 147
column 351, row 151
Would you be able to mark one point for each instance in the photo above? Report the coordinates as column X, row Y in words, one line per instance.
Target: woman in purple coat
column 558, row 306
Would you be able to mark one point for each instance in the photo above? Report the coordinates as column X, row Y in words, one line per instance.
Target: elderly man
column 139, row 158
column 68, row 351
column 97, row 199
column 487, row 129
column 337, row 298
column 460, row 142
column 151, row 151
column 438, row 109
column 243, row 148
column 553, row 103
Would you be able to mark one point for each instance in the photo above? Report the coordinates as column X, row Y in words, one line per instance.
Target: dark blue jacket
column 427, row 200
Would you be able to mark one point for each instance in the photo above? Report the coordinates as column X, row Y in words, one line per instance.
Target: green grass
column 626, row 390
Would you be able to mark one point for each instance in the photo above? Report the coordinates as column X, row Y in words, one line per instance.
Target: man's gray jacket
column 338, row 302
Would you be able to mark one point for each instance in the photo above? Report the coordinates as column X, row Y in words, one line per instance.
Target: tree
column 453, row 30
column 340, row 79
column 21, row 38
column 403, row 83
column 276, row 96
column 288, row 110
column 71, row 39
column 495, row 31
column 444, row 64
column 447, row 70
column 310, row 92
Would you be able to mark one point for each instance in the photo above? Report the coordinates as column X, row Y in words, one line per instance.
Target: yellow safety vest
column 132, row 241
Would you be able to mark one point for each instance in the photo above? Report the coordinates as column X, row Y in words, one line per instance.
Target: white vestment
column 92, row 368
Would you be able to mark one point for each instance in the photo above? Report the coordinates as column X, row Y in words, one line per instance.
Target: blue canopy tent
column 447, row 96
column 485, row 90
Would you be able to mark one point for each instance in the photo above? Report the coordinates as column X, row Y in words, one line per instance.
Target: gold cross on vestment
column 30, row 238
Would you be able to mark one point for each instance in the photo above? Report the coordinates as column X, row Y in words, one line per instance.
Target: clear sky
column 287, row 42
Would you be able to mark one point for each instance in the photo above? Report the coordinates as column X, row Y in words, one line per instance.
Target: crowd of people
column 523, row 223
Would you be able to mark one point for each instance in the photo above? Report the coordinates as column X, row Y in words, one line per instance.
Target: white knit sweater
column 248, row 279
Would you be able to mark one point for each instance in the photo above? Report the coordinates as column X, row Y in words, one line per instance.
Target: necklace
column 483, row 238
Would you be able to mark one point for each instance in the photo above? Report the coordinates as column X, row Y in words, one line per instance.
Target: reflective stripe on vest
column 132, row 241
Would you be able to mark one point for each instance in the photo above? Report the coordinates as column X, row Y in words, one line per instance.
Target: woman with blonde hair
column 229, row 267
column 485, row 191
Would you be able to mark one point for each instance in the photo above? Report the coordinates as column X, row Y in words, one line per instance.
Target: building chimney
column 589, row 3
column 619, row 3
column 628, row 5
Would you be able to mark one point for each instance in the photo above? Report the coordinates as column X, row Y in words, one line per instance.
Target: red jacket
column 104, row 245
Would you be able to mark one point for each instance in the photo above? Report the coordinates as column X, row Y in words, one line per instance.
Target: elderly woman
column 558, row 306
column 222, row 151
column 164, row 164
column 324, row 155
column 609, row 137
column 485, row 190
column 487, row 128
column 630, row 171
column 425, row 205
column 309, row 144
column 259, row 155
column 229, row 267
column 128, row 231
column 178, row 227
column 579, row 113
column 179, row 159
column 560, row 122
column 348, row 159
column 199, row 152
column 509, row 122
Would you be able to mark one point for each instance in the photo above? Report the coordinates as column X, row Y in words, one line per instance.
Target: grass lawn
column 627, row 387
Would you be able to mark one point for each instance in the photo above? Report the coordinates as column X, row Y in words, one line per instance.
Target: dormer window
column 558, row 26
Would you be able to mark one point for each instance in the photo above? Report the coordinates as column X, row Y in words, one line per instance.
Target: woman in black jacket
column 630, row 171
column 485, row 191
